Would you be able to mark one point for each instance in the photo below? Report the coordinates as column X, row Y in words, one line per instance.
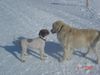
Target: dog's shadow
column 84, row 55
column 53, row 49
column 14, row 49
column 56, row 51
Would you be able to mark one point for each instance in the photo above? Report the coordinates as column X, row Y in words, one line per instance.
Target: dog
column 71, row 38
column 35, row 43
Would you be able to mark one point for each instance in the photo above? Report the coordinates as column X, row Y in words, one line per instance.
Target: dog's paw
column 61, row 60
column 45, row 55
column 97, row 62
column 26, row 54
column 42, row 59
column 22, row 61
column 83, row 54
column 69, row 58
column 64, row 59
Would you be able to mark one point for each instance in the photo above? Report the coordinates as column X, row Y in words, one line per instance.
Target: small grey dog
column 36, row 43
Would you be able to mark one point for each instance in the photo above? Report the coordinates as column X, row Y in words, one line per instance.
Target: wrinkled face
column 56, row 27
column 43, row 32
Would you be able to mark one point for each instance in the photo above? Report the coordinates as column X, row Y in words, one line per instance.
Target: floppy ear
column 60, row 27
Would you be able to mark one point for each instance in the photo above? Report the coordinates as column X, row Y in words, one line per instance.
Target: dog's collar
column 60, row 28
column 42, row 38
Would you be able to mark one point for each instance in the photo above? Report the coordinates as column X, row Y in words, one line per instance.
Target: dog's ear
column 60, row 27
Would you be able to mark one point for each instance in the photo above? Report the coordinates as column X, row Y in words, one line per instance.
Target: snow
column 95, row 5
column 24, row 18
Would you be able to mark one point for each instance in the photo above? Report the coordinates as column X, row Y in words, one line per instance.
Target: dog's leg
column 69, row 48
column 90, row 48
column 65, row 54
column 93, row 50
column 42, row 54
column 69, row 52
column 97, row 55
column 84, row 54
column 23, row 52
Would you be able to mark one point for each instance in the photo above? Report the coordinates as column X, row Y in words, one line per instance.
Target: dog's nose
column 52, row 31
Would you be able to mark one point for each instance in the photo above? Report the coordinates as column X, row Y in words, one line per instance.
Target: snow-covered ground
column 24, row 18
column 94, row 4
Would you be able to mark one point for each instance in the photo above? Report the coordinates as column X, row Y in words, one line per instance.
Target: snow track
column 24, row 18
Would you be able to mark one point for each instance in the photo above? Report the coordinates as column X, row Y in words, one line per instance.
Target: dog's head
column 57, row 26
column 43, row 32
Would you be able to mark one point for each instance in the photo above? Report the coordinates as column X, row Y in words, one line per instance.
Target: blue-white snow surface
column 24, row 18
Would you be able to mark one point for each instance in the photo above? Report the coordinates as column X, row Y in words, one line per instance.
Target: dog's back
column 36, row 43
column 83, row 37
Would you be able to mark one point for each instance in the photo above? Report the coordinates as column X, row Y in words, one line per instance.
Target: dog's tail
column 1, row 46
column 97, row 38
column 16, row 40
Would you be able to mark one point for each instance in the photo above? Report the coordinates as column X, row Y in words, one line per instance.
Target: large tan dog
column 71, row 38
